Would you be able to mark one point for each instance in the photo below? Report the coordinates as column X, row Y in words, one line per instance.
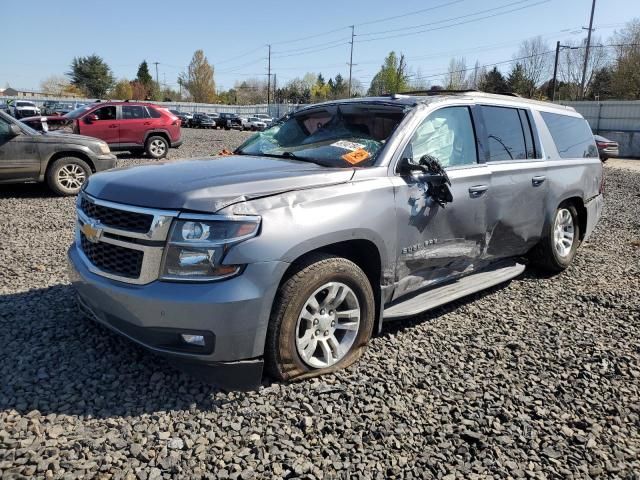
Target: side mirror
column 14, row 130
column 406, row 166
column 91, row 118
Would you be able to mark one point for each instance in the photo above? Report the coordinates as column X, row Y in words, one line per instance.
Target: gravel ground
column 539, row 378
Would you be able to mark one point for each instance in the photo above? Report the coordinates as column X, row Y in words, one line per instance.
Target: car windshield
column 78, row 111
column 25, row 104
column 339, row 135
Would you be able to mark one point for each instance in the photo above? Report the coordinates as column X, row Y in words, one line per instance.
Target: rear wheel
column 66, row 175
column 559, row 245
column 322, row 319
column 156, row 147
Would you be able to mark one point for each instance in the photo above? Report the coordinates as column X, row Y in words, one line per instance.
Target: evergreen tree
column 494, row 82
column 92, row 75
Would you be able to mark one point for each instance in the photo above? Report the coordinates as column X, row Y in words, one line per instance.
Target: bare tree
column 571, row 62
column 536, row 59
column 626, row 72
column 54, row 85
column 456, row 77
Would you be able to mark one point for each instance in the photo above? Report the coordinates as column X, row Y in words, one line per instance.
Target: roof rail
column 448, row 92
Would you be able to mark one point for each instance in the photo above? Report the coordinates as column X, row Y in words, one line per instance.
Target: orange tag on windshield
column 357, row 156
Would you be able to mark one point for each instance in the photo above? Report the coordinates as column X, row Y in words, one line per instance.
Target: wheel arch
column 157, row 133
column 69, row 153
column 578, row 203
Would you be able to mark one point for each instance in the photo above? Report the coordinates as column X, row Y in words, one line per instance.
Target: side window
column 505, row 133
column 446, row 134
column 572, row 135
column 106, row 113
column 133, row 112
column 153, row 112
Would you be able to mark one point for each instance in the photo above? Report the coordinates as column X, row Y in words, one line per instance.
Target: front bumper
column 104, row 162
column 233, row 315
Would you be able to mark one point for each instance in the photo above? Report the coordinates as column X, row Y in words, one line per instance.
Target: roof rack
column 448, row 92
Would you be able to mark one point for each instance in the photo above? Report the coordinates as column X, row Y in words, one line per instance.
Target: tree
column 123, row 90
column 517, row 82
column 571, row 63
column 92, row 75
column 625, row 81
column 456, row 74
column 199, row 79
column 54, row 85
column 601, row 87
column 494, row 82
column 535, row 58
column 143, row 75
column 392, row 77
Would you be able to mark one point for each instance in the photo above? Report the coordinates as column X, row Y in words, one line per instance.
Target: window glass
column 528, row 138
column 572, row 135
column 505, row 133
column 4, row 128
column 133, row 112
column 106, row 113
column 446, row 134
column 153, row 112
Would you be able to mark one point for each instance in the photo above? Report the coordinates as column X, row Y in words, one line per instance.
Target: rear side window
column 506, row 134
column 572, row 135
column 133, row 112
column 154, row 113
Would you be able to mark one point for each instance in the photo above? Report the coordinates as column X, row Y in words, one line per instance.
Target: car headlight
column 104, row 148
column 198, row 244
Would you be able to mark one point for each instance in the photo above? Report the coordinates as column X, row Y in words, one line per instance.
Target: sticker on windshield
column 352, row 146
column 357, row 156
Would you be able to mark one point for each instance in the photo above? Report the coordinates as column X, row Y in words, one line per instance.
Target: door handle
column 477, row 190
column 538, row 180
column 147, row 123
column 113, row 126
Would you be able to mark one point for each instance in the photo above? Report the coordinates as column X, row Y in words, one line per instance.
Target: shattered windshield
column 340, row 135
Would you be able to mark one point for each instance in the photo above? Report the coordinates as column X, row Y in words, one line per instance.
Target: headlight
column 104, row 148
column 197, row 246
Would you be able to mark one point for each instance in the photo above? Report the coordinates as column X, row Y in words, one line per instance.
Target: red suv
column 132, row 126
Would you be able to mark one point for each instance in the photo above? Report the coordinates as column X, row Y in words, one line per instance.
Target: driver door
column 438, row 243
column 106, row 127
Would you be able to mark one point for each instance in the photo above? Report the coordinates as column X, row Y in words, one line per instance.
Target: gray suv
column 292, row 252
column 64, row 161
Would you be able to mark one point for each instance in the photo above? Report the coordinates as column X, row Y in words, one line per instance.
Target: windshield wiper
column 293, row 156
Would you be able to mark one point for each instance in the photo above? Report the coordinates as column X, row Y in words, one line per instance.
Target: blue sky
column 306, row 36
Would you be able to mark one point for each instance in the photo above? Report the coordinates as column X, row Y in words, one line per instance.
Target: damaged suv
column 292, row 252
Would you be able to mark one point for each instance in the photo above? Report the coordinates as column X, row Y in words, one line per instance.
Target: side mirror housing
column 91, row 118
column 14, row 130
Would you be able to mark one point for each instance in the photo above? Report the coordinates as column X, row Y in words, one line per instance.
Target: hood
column 208, row 185
column 59, row 136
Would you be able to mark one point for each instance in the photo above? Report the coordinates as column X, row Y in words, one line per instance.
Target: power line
column 311, row 47
column 312, row 51
column 454, row 24
column 387, row 19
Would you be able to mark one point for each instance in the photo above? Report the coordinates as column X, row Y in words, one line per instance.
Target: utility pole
column 156, row 64
column 555, row 72
column 269, row 82
column 275, row 91
column 351, row 58
column 586, row 53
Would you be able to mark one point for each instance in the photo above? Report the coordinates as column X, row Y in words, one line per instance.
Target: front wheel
column 559, row 245
column 66, row 175
column 322, row 319
column 156, row 147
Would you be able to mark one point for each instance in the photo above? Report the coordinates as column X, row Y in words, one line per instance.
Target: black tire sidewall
column 286, row 361
column 54, row 168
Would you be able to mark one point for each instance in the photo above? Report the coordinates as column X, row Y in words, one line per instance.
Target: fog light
column 193, row 339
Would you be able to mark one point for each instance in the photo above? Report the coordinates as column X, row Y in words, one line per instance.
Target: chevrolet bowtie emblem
column 92, row 231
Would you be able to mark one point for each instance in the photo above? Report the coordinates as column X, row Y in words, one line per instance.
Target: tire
column 292, row 332
column 227, row 128
column 560, row 242
column 66, row 175
column 156, row 147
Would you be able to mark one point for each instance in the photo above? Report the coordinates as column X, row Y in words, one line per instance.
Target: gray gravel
column 536, row 379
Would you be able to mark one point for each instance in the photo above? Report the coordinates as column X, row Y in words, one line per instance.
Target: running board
column 453, row 291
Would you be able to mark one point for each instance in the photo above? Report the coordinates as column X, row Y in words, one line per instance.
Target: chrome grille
column 121, row 242
column 121, row 219
column 113, row 259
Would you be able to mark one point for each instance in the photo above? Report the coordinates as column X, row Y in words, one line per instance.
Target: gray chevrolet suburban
column 63, row 160
column 292, row 252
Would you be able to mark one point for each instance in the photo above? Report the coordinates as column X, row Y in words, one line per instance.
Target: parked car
column 63, row 108
column 63, row 161
column 255, row 123
column 265, row 118
column 228, row 121
column 185, row 118
column 131, row 126
column 202, row 120
column 606, row 148
column 47, row 107
column 22, row 108
column 292, row 252
column 50, row 123
column 213, row 116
